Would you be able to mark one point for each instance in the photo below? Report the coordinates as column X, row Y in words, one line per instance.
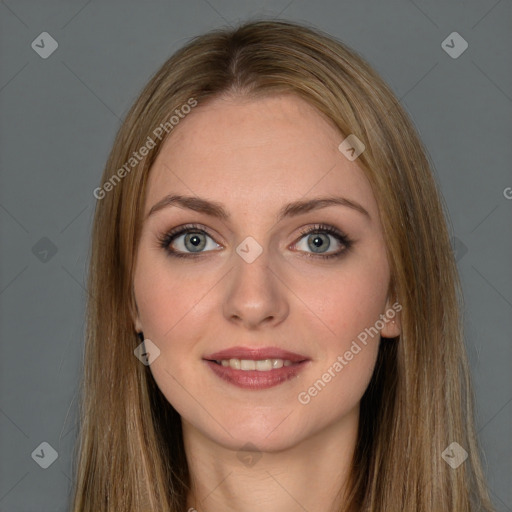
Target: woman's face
column 251, row 279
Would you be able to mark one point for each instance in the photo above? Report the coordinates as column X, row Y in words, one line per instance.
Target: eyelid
column 185, row 228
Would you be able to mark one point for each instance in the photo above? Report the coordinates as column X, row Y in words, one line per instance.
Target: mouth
column 257, row 368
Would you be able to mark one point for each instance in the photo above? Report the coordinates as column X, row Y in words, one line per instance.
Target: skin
column 254, row 156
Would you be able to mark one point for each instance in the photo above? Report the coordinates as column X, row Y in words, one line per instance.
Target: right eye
column 188, row 241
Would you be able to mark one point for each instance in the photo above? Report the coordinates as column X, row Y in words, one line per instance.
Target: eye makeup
column 166, row 240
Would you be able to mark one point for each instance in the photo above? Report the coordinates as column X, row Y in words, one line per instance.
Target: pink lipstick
column 256, row 368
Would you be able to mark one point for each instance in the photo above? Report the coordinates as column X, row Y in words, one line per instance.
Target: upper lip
column 256, row 354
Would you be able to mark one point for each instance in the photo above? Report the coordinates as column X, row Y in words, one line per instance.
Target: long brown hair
column 130, row 455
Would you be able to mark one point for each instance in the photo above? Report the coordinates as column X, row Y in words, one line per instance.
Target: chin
column 269, row 435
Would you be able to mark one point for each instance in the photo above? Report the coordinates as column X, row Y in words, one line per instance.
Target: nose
column 256, row 295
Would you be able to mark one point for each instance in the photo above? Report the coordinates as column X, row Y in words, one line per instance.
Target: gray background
column 59, row 117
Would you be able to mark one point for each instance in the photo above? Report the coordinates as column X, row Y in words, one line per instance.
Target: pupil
column 318, row 241
column 193, row 241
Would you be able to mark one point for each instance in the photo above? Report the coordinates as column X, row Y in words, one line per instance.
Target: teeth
column 263, row 365
column 246, row 364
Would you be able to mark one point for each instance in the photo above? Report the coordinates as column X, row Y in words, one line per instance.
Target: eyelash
column 166, row 239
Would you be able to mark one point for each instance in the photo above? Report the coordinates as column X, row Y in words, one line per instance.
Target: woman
column 274, row 305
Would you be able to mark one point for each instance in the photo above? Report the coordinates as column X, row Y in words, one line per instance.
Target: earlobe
column 136, row 322
column 392, row 329
column 135, row 319
column 392, row 320
column 134, row 311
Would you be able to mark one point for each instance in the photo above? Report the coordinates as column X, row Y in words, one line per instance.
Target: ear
column 392, row 319
column 134, row 312
column 137, row 324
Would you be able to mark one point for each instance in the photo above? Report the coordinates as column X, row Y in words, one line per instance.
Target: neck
column 310, row 475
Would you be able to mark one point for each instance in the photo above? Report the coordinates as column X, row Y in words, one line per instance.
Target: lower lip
column 254, row 379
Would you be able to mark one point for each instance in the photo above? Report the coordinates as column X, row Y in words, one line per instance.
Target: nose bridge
column 254, row 295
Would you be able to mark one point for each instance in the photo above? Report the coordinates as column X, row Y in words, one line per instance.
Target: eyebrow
column 215, row 209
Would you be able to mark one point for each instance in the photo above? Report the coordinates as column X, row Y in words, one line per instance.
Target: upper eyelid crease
column 215, row 209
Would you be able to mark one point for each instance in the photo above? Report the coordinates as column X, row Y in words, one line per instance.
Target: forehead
column 256, row 152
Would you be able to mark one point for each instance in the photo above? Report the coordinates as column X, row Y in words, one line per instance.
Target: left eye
column 319, row 241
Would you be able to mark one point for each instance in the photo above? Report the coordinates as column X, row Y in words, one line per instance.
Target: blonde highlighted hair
column 129, row 454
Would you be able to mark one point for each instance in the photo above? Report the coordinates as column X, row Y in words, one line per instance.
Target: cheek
column 170, row 304
column 166, row 295
column 348, row 304
column 349, row 307
column 349, row 300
